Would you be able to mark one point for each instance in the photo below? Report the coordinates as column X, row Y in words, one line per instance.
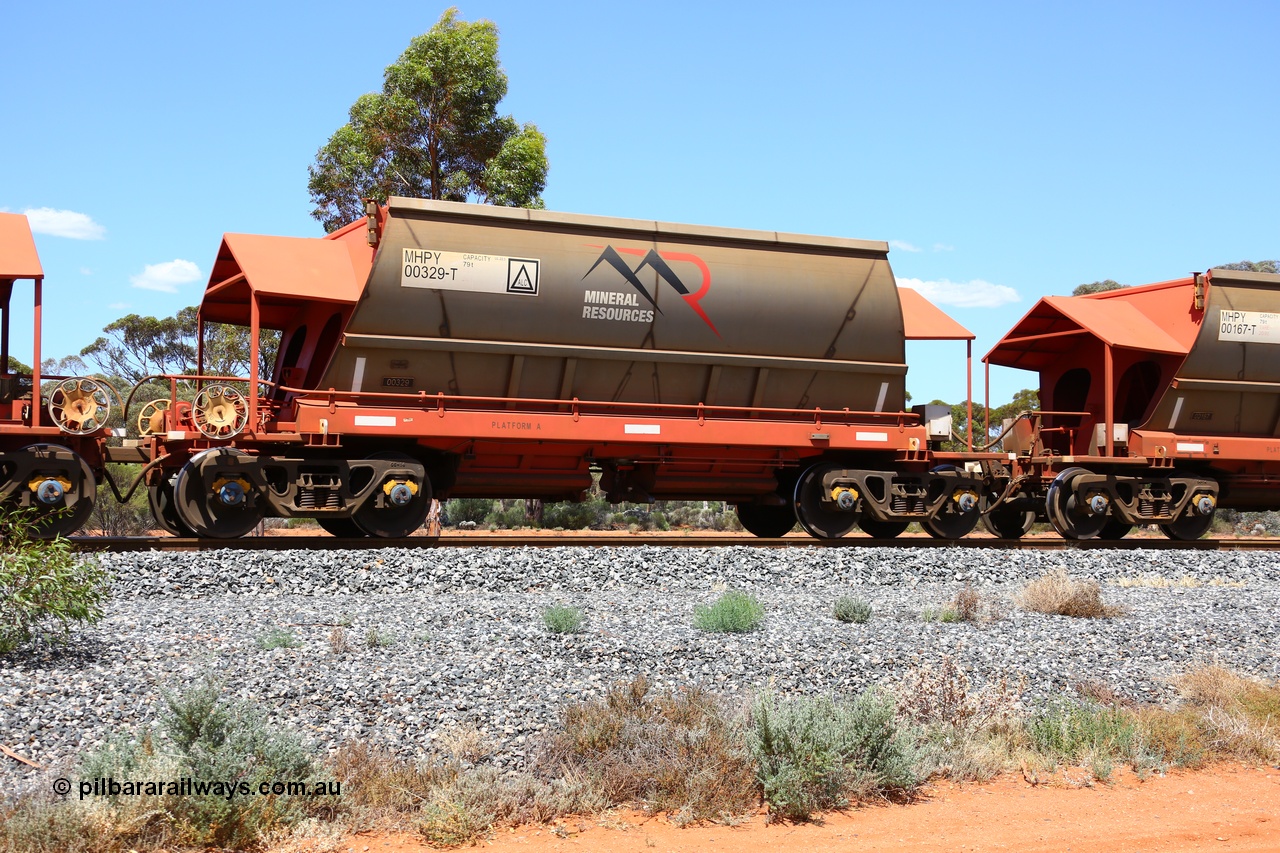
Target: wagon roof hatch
column 281, row 273
column 1054, row 326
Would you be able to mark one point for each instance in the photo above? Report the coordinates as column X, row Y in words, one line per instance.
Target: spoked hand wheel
column 219, row 411
column 80, row 406
column 151, row 420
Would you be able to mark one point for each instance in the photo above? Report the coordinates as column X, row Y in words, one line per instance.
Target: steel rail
column 322, row 542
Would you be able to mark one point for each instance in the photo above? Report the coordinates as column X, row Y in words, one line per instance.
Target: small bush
column 939, row 614
column 1173, row 737
column 673, row 752
column 735, row 612
column 474, row 510
column 940, row 695
column 852, row 609
column 1241, row 717
column 967, row 604
column 513, row 517
column 201, row 737
column 1060, row 595
column 815, row 754
column 376, row 639
column 576, row 516
column 563, row 620
column 277, row 638
column 44, row 587
column 1078, row 733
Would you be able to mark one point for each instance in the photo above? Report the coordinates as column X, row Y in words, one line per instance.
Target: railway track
column 331, row 543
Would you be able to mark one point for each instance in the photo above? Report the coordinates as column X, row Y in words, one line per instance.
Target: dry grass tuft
column 1241, row 715
column 1058, row 594
column 674, row 752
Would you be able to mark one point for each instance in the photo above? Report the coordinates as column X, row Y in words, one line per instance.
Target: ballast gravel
column 455, row 635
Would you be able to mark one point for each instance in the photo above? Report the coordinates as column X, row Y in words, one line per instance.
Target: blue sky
column 1007, row 151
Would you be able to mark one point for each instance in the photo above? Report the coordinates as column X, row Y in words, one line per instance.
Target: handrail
column 330, row 396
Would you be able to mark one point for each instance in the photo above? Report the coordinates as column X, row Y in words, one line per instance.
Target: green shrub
column 511, row 517
column 939, row 614
column 467, row 509
column 201, row 737
column 852, row 609
column 277, row 638
column 815, row 753
column 377, row 639
column 1072, row 733
column 563, row 620
column 575, row 516
column 735, row 612
column 44, row 587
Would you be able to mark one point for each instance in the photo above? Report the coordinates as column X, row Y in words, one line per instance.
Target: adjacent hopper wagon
column 1161, row 403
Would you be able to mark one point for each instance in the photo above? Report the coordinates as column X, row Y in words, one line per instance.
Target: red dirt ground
column 1226, row 808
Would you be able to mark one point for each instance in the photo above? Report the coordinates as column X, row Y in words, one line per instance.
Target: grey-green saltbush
column 816, row 753
column 563, row 620
column 734, row 612
column 204, row 737
column 852, row 609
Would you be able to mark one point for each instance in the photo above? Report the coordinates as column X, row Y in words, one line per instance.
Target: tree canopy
column 1097, row 287
column 432, row 132
column 1026, row 400
column 1250, row 266
column 135, row 347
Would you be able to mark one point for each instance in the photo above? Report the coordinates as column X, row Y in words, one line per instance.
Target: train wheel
column 877, row 529
column 405, row 502
column 817, row 520
column 767, row 522
column 213, row 499
column 1114, row 529
column 1071, row 519
column 1009, row 522
column 343, row 528
column 62, row 490
column 163, row 510
column 953, row 521
column 1188, row 527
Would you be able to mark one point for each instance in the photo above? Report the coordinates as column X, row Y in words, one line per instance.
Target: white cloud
column 943, row 247
column 963, row 294
column 903, row 246
column 85, row 271
column 64, row 223
column 118, row 306
column 167, row 276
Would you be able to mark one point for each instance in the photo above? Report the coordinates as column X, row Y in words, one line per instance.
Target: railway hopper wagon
column 437, row 349
column 52, row 428
column 1161, row 404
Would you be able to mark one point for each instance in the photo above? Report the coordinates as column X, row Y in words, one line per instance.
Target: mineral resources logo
column 608, row 305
